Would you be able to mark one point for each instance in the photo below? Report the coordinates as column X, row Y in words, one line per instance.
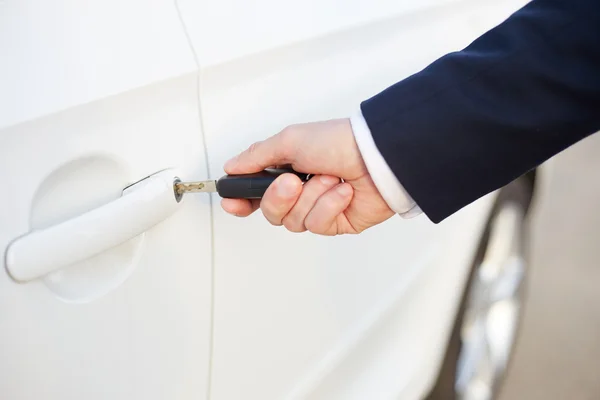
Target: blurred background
column 557, row 353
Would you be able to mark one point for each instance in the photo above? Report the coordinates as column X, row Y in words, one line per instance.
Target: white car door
column 95, row 96
column 299, row 316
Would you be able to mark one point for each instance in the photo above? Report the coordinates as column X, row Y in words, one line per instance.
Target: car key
column 246, row 186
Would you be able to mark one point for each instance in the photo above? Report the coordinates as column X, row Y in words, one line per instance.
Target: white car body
column 97, row 95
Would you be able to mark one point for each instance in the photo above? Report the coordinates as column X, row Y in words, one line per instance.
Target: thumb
column 261, row 155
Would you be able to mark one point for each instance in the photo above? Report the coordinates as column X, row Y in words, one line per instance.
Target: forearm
column 477, row 119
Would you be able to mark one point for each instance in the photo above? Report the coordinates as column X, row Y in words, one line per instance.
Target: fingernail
column 344, row 189
column 287, row 187
column 328, row 180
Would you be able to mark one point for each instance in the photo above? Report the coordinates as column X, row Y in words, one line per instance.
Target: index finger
column 260, row 155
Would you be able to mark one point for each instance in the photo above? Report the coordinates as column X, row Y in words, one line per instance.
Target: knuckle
column 287, row 138
column 330, row 205
column 328, row 181
column 293, row 224
column 313, row 226
column 272, row 213
column 253, row 149
column 294, row 228
column 272, row 221
column 288, row 131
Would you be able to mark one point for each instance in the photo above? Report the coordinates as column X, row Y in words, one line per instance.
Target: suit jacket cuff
column 386, row 182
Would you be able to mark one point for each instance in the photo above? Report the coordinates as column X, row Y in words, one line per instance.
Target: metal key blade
column 195, row 187
column 245, row 186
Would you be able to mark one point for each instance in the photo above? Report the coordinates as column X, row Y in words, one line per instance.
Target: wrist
column 390, row 189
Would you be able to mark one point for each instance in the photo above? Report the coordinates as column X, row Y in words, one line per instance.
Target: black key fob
column 252, row 186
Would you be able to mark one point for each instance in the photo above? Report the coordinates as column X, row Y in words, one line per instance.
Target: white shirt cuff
column 386, row 182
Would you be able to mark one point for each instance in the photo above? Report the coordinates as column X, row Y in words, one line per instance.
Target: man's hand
column 324, row 205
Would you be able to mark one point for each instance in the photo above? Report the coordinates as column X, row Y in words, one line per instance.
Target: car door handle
column 141, row 206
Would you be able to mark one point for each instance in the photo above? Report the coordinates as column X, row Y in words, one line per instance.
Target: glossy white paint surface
column 92, row 100
column 142, row 206
column 62, row 53
column 225, row 30
column 298, row 316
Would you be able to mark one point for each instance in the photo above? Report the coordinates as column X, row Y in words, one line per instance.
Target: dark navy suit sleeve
column 477, row 119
